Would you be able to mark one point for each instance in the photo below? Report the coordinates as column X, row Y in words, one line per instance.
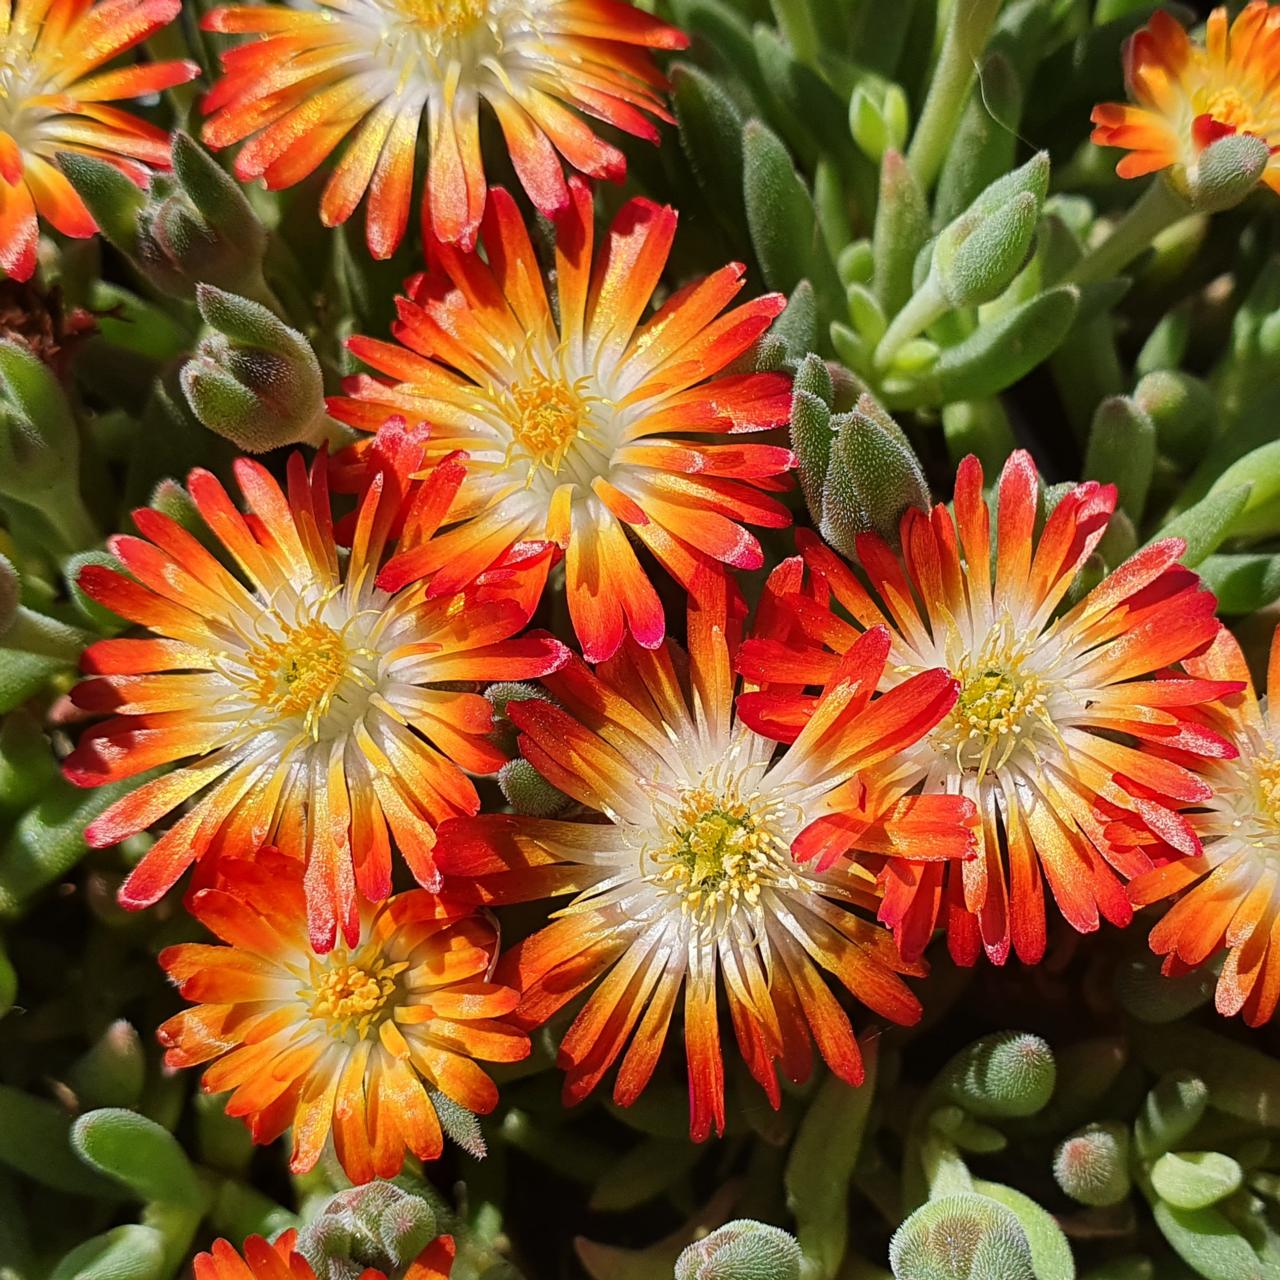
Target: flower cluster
column 772, row 766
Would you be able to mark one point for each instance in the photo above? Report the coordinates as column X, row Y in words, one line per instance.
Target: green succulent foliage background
column 916, row 178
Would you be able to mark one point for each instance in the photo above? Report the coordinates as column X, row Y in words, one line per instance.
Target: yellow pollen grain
column 717, row 856
column 547, row 418
column 1227, row 105
column 446, row 17
column 1266, row 769
column 351, row 994
column 299, row 673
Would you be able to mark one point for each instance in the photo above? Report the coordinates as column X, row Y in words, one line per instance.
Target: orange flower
column 1042, row 738
column 313, row 709
column 691, row 878
column 578, row 426
column 49, row 103
column 321, row 71
column 1232, row 890
column 352, row 1044
column 280, row 1261
column 1190, row 95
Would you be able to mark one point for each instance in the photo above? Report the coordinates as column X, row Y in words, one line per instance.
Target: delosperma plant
column 635, row 640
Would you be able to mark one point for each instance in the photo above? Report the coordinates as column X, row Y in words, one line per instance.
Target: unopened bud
column 376, row 1225
column 879, row 119
column 253, row 379
column 962, row 1237
column 1227, row 171
column 528, row 792
column 742, row 1250
column 873, row 477
column 1092, row 1165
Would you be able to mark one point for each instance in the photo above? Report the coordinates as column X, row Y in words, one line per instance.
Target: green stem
column 1157, row 209
column 967, row 31
column 923, row 308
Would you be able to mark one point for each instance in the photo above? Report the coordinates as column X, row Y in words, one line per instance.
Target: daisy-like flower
column 258, row 1260
column 1189, row 95
column 1047, row 735
column 352, row 1043
column 312, row 709
column 51, row 101
column 580, row 427
column 325, row 70
column 697, row 876
column 1231, row 901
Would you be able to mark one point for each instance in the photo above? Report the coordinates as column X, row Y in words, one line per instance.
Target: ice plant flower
column 1188, row 95
column 258, row 1260
column 1047, row 736
column 690, row 881
column 351, row 1043
column 1231, row 892
column 312, row 709
column 53, row 98
column 324, row 71
column 578, row 426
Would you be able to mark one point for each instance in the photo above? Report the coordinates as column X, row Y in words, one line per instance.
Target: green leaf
column 1242, row 583
column 1208, row 524
column 35, row 1140
column 821, row 1163
column 901, row 229
column 1122, row 451
column 1050, row 1253
column 140, row 1155
column 1208, row 1243
column 711, row 134
column 131, row 1252
column 1195, row 1179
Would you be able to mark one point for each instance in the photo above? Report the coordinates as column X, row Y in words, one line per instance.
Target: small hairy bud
column 743, row 1250
column 1092, row 1165
column 962, row 1237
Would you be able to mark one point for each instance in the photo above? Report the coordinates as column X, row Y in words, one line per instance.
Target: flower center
column 352, row 994
column 445, row 18
column 999, row 700
column 720, row 852
column 300, row 673
column 1228, row 106
column 1266, row 769
column 547, row 418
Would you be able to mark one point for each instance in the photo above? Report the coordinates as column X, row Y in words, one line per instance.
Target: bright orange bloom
column 280, row 1261
column 1190, row 95
column 692, row 877
column 314, row 710
column 350, row 1044
column 324, row 70
column 1055, row 707
column 50, row 103
column 578, row 426
column 1232, row 890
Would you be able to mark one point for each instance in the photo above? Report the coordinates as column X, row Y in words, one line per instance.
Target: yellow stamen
column 446, row 17
column 547, row 418
column 300, row 673
column 351, row 993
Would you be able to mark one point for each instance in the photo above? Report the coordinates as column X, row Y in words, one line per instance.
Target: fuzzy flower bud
column 1092, row 1165
column 962, row 1237
column 1007, row 1074
column 528, row 792
column 253, row 379
column 377, row 1225
column 742, row 1250
column 1227, row 171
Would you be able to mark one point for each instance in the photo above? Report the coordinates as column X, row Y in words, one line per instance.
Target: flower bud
column 879, row 119
column 961, row 1237
column 742, row 1250
column 1226, row 172
column 528, row 792
column 1092, row 1165
column 198, row 226
column 112, row 199
column 1007, row 1074
column 873, row 477
column 377, row 1225
column 253, row 379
